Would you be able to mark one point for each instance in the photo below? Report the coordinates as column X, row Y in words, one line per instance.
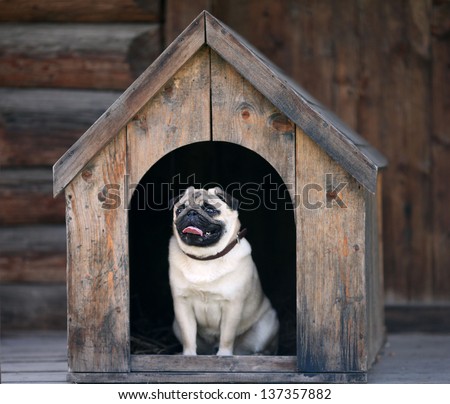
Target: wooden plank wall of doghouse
column 242, row 115
column 97, row 265
column 177, row 115
column 331, row 311
column 374, row 272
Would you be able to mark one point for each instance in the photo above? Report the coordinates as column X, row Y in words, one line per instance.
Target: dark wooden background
column 381, row 65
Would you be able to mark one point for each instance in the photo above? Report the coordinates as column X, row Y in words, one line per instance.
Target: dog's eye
column 180, row 209
column 210, row 210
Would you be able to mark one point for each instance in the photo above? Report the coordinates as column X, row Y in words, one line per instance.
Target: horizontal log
column 417, row 318
column 38, row 126
column 26, row 197
column 101, row 56
column 33, row 254
column 33, row 307
column 81, row 10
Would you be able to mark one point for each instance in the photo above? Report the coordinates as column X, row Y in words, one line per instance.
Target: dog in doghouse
column 220, row 307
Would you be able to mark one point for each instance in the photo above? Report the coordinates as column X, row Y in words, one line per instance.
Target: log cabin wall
column 382, row 66
column 62, row 64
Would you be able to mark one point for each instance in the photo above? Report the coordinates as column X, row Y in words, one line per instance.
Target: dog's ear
column 233, row 203
column 174, row 200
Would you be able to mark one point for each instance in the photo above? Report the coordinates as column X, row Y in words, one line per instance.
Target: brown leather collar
column 225, row 251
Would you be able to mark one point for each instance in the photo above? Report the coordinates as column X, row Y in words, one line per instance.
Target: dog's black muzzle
column 211, row 230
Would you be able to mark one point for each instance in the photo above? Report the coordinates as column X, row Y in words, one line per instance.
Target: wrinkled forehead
column 198, row 197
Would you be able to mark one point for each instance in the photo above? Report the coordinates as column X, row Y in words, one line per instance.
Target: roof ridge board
column 129, row 103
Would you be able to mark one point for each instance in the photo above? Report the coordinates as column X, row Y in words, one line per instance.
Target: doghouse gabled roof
column 351, row 151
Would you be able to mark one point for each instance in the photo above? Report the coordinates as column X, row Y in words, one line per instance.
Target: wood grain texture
column 33, row 307
column 426, row 319
column 179, row 14
column 242, row 115
column 131, row 101
column 396, row 73
column 179, row 114
column 331, row 292
column 203, row 363
column 440, row 149
column 101, row 56
column 38, row 125
column 203, row 377
column 413, row 358
column 26, row 198
column 408, row 358
column 34, row 254
column 81, row 11
column 376, row 333
column 97, row 237
column 341, row 144
column 34, row 357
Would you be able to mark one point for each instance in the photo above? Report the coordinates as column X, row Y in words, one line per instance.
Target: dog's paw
column 224, row 352
column 189, row 352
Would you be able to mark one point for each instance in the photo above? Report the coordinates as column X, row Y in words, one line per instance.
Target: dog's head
column 205, row 219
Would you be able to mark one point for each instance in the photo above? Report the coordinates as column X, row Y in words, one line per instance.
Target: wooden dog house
column 209, row 85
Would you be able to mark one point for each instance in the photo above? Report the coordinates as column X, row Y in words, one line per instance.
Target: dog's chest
column 207, row 309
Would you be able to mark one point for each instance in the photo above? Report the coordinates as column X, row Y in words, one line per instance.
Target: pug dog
column 219, row 305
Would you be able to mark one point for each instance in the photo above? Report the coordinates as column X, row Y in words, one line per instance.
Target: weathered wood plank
column 98, row 293
column 440, row 149
column 413, row 358
column 418, row 318
column 345, row 54
column 242, row 115
column 38, row 126
column 202, row 377
column 33, row 254
column 33, row 346
column 38, row 307
column 260, row 23
column 374, row 273
column 32, row 377
column 331, row 301
column 131, row 101
column 97, row 56
column 179, row 114
column 293, row 102
column 34, row 359
column 26, row 198
column 178, row 15
column 42, row 366
column 407, row 357
column 80, row 11
column 396, row 39
column 179, row 363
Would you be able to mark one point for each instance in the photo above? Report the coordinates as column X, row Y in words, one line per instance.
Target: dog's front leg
column 184, row 314
column 231, row 316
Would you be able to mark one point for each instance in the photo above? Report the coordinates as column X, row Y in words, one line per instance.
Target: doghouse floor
column 40, row 357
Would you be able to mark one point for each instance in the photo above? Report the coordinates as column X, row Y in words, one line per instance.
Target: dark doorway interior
column 265, row 210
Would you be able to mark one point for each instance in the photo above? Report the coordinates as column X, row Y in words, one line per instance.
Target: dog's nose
column 192, row 213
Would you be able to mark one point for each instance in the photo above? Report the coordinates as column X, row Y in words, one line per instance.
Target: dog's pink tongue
column 193, row 230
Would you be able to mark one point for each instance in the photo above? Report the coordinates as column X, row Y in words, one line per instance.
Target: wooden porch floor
column 40, row 357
